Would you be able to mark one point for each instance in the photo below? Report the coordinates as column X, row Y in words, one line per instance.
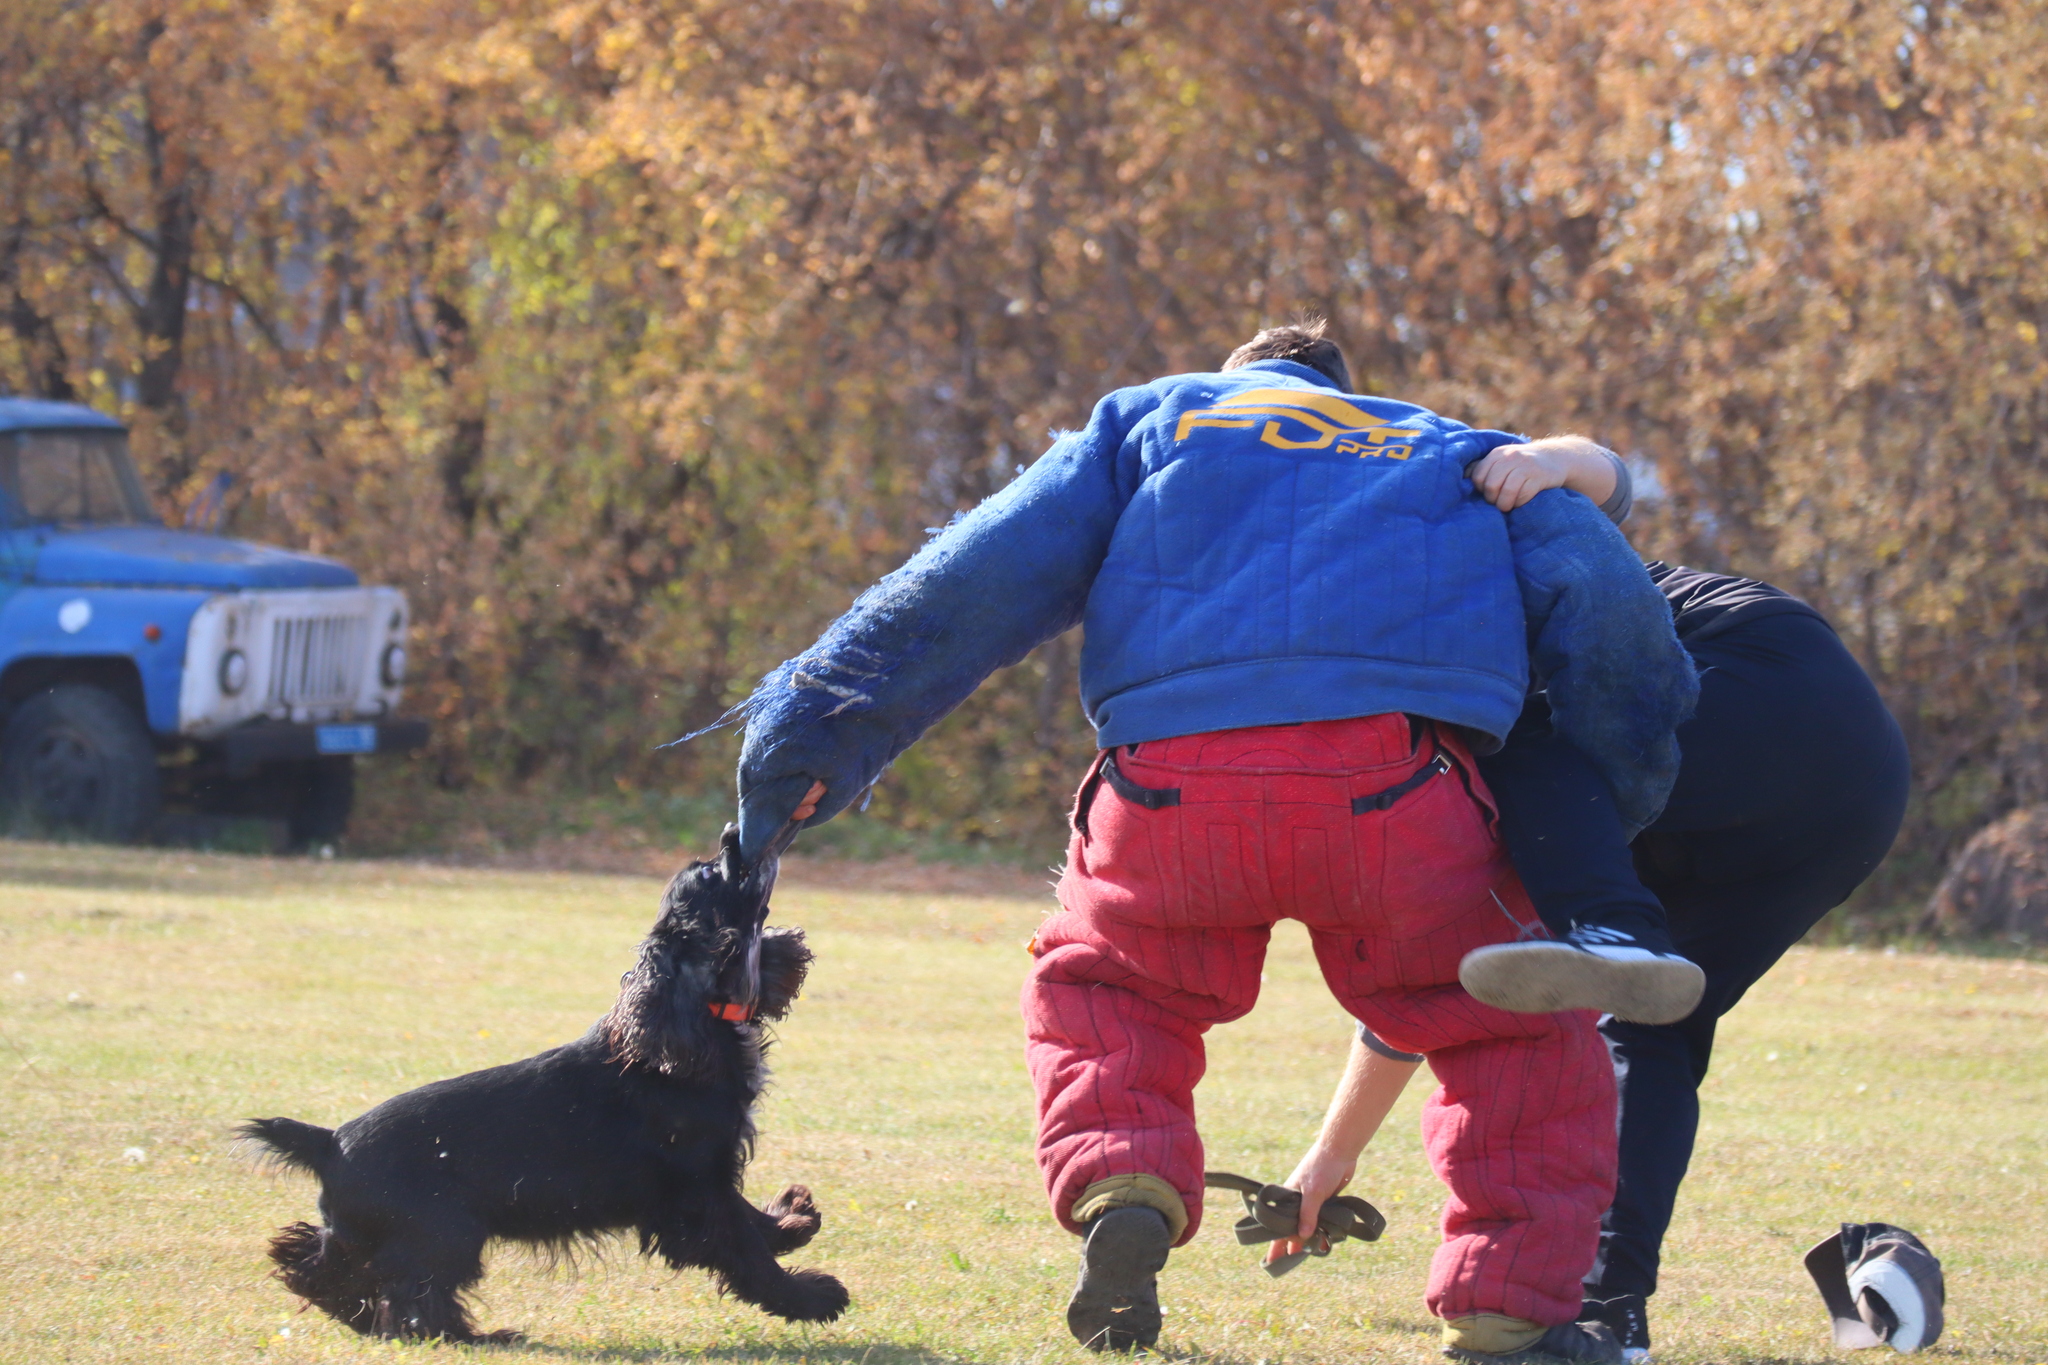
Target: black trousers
column 1791, row 788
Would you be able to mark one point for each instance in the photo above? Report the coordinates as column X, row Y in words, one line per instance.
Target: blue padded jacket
column 1291, row 553
column 1250, row 548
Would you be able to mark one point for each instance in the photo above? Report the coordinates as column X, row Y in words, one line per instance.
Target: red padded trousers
column 1165, row 911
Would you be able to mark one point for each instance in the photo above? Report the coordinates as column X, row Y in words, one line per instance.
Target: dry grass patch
column 151, row 1000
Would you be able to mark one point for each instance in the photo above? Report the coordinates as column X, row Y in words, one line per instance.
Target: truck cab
column 141, row 664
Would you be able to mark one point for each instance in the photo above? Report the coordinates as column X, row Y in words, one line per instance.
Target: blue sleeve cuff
column 1373, row 1041
column 1622, row 500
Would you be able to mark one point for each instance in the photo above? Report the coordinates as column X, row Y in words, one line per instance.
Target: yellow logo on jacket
column 1327, row 419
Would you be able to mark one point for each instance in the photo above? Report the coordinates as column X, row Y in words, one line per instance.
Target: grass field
column 151, row 1000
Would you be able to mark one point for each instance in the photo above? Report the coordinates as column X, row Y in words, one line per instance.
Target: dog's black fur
column 644, row 1124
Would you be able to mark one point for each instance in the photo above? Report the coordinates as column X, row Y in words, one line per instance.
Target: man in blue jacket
column 1302, row 622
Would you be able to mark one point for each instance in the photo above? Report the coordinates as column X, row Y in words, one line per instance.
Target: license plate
column 346, row 739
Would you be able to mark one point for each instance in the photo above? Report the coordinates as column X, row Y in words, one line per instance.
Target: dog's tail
column 302, row 1146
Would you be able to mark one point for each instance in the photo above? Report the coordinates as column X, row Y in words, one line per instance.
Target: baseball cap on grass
column 1882, row 1286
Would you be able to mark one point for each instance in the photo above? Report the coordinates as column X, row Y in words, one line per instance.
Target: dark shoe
column 1590, row 968
column 1629, row 1316
column 1116, row 1301
column 1590, row 1342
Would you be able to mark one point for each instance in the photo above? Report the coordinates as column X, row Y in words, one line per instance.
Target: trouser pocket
column 1105, row 771
column 1438, row 765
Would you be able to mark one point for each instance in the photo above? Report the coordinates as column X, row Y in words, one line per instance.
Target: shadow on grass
column 898, row 1353
column 822, row 1353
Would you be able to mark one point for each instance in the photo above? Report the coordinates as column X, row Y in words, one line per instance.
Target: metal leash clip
column 1274, row 1211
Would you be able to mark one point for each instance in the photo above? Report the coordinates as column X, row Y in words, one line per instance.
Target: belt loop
column 1438, row 765
column 1086, row 796
column 1151, row 798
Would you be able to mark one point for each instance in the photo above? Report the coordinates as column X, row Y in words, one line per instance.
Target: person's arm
column 1510, row 475
column 1601, row 643
column 1366, row 1092
column 982, row 594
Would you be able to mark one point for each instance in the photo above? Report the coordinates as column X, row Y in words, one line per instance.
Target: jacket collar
column 1293, row 370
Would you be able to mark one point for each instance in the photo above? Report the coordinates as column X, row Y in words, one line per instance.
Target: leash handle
column 1273, row 1212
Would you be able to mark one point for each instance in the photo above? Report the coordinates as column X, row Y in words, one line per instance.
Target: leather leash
column 1274, row 1211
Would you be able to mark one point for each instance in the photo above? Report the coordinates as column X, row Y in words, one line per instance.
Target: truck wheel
column 76, row 760
column 323, row 791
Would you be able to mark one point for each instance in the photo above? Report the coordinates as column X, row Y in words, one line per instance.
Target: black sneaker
column 1629, row 1316
column 1591, row 968
column 1116, row 1301
column 1593, row 1343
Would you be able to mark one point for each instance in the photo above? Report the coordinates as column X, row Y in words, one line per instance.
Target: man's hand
column 1508, row 476
column 1318, row 1175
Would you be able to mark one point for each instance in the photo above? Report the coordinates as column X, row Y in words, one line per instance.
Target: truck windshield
column 78, row 477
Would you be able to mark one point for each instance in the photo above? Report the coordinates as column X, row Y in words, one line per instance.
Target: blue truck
column 142, row 666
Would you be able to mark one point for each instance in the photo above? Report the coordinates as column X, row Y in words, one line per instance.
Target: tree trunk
column 160, row 314
column 42, row 349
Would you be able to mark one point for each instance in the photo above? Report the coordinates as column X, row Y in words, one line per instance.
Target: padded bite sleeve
column 983, row 593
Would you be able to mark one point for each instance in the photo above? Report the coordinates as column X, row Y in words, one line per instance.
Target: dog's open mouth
column 732, row 1011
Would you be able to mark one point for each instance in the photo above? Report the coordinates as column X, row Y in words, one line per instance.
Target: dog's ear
column 785, row 961
column 662, row 1019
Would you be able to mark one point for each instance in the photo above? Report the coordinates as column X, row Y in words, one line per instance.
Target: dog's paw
column 818, row 1297
column 796, row 1219
column 504, row 1336
column 794, row 1201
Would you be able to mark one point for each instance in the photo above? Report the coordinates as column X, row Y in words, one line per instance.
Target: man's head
column 1303, row 343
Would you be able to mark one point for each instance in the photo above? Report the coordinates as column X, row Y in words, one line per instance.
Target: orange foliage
column 633, row 336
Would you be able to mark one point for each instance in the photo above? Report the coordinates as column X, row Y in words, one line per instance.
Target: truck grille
column 316, row 660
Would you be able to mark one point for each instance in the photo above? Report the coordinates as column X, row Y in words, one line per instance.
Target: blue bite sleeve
column 983, row 593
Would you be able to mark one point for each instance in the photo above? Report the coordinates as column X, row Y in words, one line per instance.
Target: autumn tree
column 632, row 337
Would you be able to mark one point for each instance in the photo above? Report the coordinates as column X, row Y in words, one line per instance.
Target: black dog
column 644, row 1123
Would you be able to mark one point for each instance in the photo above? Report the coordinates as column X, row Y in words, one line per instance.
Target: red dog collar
column 737, row 1014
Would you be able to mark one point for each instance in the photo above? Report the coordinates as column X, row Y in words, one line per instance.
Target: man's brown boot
column 1116, row 1301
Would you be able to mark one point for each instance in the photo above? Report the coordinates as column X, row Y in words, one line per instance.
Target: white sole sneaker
column 1544, row 977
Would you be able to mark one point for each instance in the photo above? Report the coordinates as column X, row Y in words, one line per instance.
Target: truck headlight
column 234, row 672
column 392, row 667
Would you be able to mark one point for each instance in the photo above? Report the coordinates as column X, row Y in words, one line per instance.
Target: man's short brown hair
column 1302, row 342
